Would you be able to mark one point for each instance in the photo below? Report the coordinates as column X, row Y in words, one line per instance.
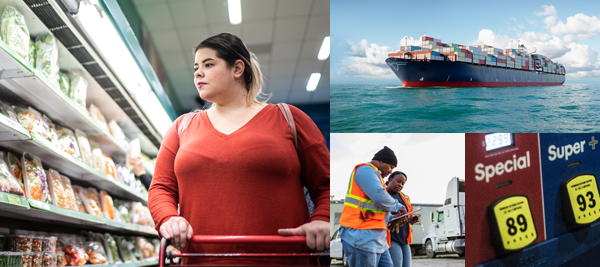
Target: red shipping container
column 481, row 61
column 440, row 44
column 500, row 53
column 468, row 55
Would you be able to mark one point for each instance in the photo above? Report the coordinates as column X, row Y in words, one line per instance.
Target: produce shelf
column 12, row 130
column 56, row 158
column 145, row 262
column 34, row 87
column 13, row 202
column 29, row 209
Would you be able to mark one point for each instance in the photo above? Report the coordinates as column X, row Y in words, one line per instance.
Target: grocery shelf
column 56, row 158
column 29, row 209
column 10, row 202
column 34, row 87
column 12, row 130
column 145, row 262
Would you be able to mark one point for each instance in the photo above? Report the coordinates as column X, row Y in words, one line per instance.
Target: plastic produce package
column 141, row 214
column 78, row 90
column 123, row 208
column 97, row 156
column 8, row 111
column 75, row 255
column 98, row 117
column 78, row 201
column 84, row 147
column 49, row 244
column 36, row 243
column 109, row 166
column 14, row 165
column 108, row 207
column 113, row 249
column 124, row 249
column 20, row 243
column 95, row 252
column 31, row 121
column 70, row 198
column 117, row 132
column 49, row 259
column 146, row 248
column 65, row 83
column 46, row 56
column 57, row 191
column 8, row 183
column 36, row 185
column 52, row 135
column 89, row 197
column 14, row 31
column 67, row 141
column 37, row 259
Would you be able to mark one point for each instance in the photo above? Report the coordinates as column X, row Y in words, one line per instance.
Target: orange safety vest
column 359, row 210
column 409, row 208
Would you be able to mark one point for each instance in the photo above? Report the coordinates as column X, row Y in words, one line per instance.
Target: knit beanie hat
column 386, row 155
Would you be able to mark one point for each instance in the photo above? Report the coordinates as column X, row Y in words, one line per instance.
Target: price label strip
column 511, row 224
column 580, row 200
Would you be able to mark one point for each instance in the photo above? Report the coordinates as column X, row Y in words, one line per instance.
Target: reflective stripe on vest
column 359, row 210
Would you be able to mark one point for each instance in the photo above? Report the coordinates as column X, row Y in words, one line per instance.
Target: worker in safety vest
column 366, row 212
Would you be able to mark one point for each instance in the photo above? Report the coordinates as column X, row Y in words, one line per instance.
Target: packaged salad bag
column 14, row 31
column 46, row 56
column 14, row 166
column 78, row 90
column 57, row 190
column 84, row 147
column 8, row 183
column 65, row 83
column 36, row 185
column 70, row 198
column 67, row 141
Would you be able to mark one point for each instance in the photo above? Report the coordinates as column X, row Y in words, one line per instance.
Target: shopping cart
column 245, row 239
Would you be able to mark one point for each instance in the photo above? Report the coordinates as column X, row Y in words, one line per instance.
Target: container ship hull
column 436, row 73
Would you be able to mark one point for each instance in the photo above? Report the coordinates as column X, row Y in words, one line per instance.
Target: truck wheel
column 429, row 249
column 344, row 259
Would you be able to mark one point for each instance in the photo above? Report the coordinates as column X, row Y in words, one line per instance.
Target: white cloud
column 569, row 38
column 546, row 44
column 514, row 19
column 488, row 37
column 532, row 22
column 584, row 74
column 409, row 41
column 521, row 26
column 580, row 58
column 549, row 11
column 580, row 24
column 369, row 60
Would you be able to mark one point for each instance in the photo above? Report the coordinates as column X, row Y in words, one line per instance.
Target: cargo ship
column 437, row 64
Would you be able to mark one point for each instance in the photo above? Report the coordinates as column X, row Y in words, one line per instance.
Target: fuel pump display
column 540, row 197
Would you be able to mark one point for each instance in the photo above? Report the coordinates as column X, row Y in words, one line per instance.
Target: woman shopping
column 400, row 241
column 233, row 169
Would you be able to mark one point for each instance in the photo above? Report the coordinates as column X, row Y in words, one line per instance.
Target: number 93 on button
column 580, row 200
column 511, row 224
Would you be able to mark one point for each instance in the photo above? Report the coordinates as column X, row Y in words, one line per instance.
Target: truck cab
column 447, row 231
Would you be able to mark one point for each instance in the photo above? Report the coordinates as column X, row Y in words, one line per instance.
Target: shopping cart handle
column 234, row 239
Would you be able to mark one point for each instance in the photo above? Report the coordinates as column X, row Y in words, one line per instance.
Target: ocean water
column 377, row 108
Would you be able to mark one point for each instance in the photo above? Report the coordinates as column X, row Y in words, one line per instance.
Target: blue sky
column 363, row 32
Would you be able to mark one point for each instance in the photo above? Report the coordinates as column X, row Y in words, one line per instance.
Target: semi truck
column 447, row 231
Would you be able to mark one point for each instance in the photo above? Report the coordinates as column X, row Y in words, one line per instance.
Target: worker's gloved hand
column 316, row 232
column 178, row 231
column 415, row 219
column 394, row 226
column 402, row 210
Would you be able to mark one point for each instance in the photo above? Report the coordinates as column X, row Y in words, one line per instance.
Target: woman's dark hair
column 231, row 48
column 394, row 174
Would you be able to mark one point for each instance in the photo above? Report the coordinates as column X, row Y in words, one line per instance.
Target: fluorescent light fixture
column 313, row 81
column 111, row 46
column 324, row 52
column 235, row 11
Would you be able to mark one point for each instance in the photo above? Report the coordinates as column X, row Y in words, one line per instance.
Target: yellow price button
column 581, row 201
column 511, row 224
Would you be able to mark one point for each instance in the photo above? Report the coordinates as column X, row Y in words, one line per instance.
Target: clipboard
column 404, row 215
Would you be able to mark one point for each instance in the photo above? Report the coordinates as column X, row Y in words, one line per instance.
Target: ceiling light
column 235, row 11
column 324, row 52
column 313, row 82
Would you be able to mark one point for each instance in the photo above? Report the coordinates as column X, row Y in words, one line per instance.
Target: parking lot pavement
column 422, row 261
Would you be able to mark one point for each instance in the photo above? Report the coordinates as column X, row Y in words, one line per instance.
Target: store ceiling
column 285, row 36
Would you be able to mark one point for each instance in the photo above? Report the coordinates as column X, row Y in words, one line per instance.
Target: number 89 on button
column 580, row 200
column 511, row 224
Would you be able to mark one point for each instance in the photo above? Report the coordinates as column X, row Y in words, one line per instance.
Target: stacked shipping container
column 434, row 49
